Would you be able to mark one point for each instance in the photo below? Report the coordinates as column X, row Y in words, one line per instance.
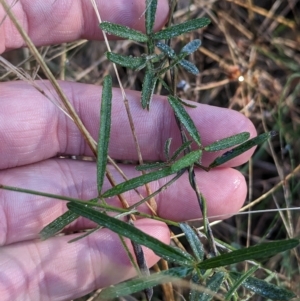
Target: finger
column 33, row 129
column 58, row 270
column 54, row 22
column 24, row 215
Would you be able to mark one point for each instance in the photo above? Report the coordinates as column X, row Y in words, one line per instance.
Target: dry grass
column 250, row 62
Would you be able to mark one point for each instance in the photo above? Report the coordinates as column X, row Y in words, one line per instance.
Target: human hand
column 33, row 131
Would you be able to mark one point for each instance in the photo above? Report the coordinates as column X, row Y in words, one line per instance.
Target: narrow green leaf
column 177, row 30
column 127, row 61
column 239, row 282
column 263, row 288
column 155, row 175
column 138, row 284
column 58, row 224
column 123, row 32
column 241, row 148
column 227, row 142
column 187, row 104
column 188, row 66
column 148, row 88
column 193, row 241
column 147, row 166
column 153, row 194
column 177, row 59
column 62, row 221
column 142, row 263
column 136, row 235
column 179, row 150
column 166, row 49
column 186, row 161
column 104, row 131
column 259, row 251
column 167, row 148
column 151, row 6
column 213, row 284
column 138, row 181
column 194, row 294
column 184, row 118
column 191, row 47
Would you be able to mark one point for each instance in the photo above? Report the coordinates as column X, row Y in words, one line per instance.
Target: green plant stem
column 164, row 187
column 201, row 200
column 203, row 208
column 90, row 203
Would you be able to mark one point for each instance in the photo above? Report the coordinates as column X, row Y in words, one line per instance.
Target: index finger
column 33, row 129
column 54, row 22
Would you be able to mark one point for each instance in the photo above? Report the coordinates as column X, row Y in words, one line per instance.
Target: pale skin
column 33, row 131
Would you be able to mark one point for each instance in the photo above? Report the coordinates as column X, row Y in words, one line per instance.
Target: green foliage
column 184, row 118
column 186, row 50
column 255, row 252
column 104, row 131
column 191, row 47
column 182, row 163
column 190, row 67
column 151, row 6
column 213, row 284
column 180, row 149
column 138, row 284
column 227, row 142
column 194, row 241
column 127, row 61
column 241, row 148
column 123, row 32
column 207, row 271
column 148, row 87
column 155, row 68
column 179, row 29
column 236, row 285
column 136, row 235
column 263, row 288
column 58, row 224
